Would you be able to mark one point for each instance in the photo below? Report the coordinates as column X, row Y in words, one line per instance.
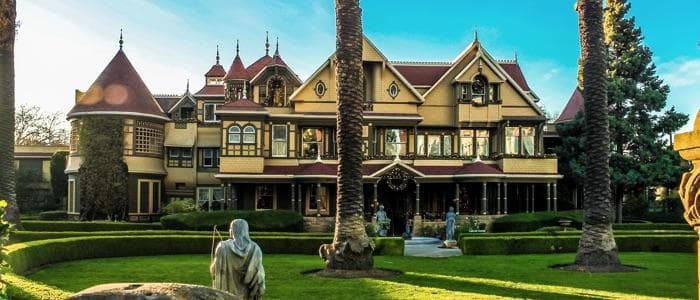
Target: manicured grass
column 669, row 275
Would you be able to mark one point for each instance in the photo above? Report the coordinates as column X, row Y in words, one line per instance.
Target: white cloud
column 681, row 72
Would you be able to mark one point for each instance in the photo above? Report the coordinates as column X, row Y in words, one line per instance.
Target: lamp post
column 688, row 146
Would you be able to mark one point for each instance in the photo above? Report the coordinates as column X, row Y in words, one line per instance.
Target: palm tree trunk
column 597, row 246
column 351, row 248
column 8, row 13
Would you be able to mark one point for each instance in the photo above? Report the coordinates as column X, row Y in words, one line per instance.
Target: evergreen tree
column 637, row 97
column 103, row 174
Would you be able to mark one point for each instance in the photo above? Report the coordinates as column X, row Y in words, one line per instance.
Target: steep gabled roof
column 216, row 70
column 118, row 90
column 258, row 65
column 572, row 108
column 513, row 69
column 421, row 74
column 237, row 71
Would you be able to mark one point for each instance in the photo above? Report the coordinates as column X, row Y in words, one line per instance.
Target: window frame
column 210, row 191
column 483, row 96
column 278, row 140
column 180, row 160
column 215, row 155
column 474, row 136
column 402, row 150
column 233, row 134
column 245, row 134
column 151, row 195
column 207, row 107
column 319, row 143
column 273, row 190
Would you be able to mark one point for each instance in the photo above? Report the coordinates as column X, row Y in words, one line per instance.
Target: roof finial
column 476, row 35
column 187, row 91
column 245, row 91
column 236, row 47
column 217, row 54
column 515, row 54
column 277, row 47
column 121, row 39
column 267, row 43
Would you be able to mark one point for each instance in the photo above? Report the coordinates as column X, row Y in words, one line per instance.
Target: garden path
column 428, row 247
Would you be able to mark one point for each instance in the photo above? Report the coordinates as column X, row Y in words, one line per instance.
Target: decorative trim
column 393, row 89
column 320, row 89
column 117, row 113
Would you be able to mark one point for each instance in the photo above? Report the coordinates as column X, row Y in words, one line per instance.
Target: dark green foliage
column 508, row 245
column 266, row 220
column 20, row 287
column 32, row 225
column 53, row 215
column 534, row 221
column 5, row 229
column 179, row 206
column 103, row 174
column 59, row 179
column 652, row 226
column 29, row 186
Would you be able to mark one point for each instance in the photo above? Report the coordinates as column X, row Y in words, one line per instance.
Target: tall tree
column 8, row 14
column 597, row 248
column 351, row 248
column 637, row 97
column 35, row 127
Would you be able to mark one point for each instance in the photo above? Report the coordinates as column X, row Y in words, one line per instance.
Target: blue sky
column 63, row 45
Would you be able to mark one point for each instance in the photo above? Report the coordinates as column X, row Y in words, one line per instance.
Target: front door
column 398, row 205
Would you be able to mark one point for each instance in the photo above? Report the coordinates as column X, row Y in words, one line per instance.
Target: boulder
column 151, row 291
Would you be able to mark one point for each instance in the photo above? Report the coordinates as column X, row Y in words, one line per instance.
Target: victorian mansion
column 465, row 133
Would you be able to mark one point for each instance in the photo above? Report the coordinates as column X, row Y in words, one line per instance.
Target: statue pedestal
column 688, row 146
column 417, row 220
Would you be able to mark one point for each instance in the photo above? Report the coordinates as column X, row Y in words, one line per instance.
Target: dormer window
column 276, row 92
column 478, row 89
column 186, row 113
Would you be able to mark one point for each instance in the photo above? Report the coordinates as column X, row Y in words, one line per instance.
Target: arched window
column 479, row 89
column 249, row 134
column 234, row 134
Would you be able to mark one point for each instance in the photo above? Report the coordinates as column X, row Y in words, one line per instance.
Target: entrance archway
column 397, row 192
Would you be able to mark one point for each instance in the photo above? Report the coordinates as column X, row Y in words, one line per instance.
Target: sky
column 64, row 45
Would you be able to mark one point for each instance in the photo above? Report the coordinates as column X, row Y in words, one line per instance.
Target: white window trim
column 150, row 183
column 210, row 196
column 204, row 116
column 72, row 206
column 285, row 139
column 234, row 133
column 204, row 158
column 245, row 132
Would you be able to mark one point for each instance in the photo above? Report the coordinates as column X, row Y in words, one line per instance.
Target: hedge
column 506, row 245
column 28, row 236
column 533, row 221
column 34, row 225
column 652, row 226
column 53, row 215
column 267, row 220
column 576, row 233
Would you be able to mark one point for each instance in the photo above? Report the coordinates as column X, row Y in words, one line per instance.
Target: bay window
column 434, row 145
column 466, row 141
column 520, row 140
column 528, row 139
column 474, row 142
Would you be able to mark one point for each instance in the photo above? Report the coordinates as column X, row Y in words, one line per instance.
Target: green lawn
column 668, row 275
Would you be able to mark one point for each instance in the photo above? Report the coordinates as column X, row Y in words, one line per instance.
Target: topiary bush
column 41, row 225
column 266, row 220
column 53, row 215
column 533, row 221
column 179, row 206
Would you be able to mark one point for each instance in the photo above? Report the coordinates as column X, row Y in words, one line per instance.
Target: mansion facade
column 466, row 134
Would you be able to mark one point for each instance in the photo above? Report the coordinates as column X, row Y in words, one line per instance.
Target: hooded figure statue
column 237, row 267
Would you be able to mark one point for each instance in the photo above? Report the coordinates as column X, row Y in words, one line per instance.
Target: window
column 311, row 142
column 249, row 134
column 479, row 87
column 210, row 112
column 434, row 145
column 209, row 157
column 148, row 198
column 180, row 157
column 395, row 142
column 393, row 90
column 512, row 140
column 317, row 200
column 474, row 142
column 265, row 197
column 447, row 145
column 186, row 113
column 420, row 145
column 528, row 139
column 210, row 198
column 466, row 141
column 72, row 205
column 234, row 134
column 279, row 140
column 463, row 92
column 148, row 138
column 277, row 95
column 320, row 89
column 494, row 95
column 74, row 135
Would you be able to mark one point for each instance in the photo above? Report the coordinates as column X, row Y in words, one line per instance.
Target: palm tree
column 351, row 248
column 597, row 248
column 8, row 13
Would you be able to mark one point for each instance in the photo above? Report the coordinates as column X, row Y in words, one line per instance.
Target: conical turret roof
column 237, row 70
column 118, row 90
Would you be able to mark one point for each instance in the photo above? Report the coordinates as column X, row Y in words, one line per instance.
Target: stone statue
column 237, row 267
column 383, row 221
column 450, row 224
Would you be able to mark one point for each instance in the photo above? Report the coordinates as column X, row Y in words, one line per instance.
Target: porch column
column 294, row 200
column 532, row 206
column 498, row 198
column 505, row 198
column 234, row 197
column 376, row 200
column 299, row 203
column 527, row 198
column 318, row 199
column 417, row 199
column 484, row 200
column 457, row 198
column 554, row 185
column 549, row 197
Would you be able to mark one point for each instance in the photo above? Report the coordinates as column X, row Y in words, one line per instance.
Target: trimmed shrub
column 652, row 226
column 20, row 287
column 179, row 206
column 533, row 221
column 506, row 245
column 266, row 220
column 32, row 225
column 53, row 215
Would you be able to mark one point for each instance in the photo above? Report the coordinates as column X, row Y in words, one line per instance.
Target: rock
column 151, row 291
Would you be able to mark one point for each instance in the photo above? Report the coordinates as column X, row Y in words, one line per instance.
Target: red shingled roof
column 237, row 70
column 211, row 90
column 514, row 71
column 216, row 70
column 422, row 74
column 572, row 108
column 118, row 89
column 258, row 65
column 241, row 105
